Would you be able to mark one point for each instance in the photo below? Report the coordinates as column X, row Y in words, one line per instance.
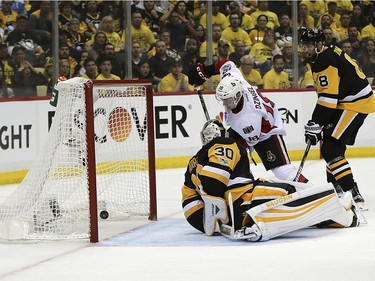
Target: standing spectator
column 367, row 58
column 191, row 58
column 276, row 78
column 105, row 70
column 369, row 30
column 41, row 23
column 184, row 14
column 106, row 25
column 91, row 19
column 239, row 52
column 257, row 33
column 26, row 79
column 152, row 17
column 175, row 81
column 160, row 63
column 180, row 30
column 96, row 48
column 264, row 51
column 5, row 92
column 7, row 17
column 262, row 8
column 235, row 33
column 91, row 69
column 217, row 17
column 251, row 75
column 139, row 33
column 284, row 32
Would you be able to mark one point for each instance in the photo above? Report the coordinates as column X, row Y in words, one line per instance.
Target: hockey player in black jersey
column 219, row 192
column 345, row 98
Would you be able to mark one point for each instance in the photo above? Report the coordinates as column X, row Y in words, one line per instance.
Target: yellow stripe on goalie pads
column 297, row 210
column 215, row 209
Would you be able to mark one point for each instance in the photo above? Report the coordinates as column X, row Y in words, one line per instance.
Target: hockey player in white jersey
column 254, row 119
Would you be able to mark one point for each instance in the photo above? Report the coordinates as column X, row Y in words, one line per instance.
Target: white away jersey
column 259, row 118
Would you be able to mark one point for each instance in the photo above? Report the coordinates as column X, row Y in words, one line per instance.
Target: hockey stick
column 204, row 107
column 299, row 171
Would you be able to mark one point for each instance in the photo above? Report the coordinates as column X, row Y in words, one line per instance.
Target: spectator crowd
column 169, row 39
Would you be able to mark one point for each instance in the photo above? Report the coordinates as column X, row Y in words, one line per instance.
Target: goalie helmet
column 212, row 129
column 229, row 87
column 308, row 35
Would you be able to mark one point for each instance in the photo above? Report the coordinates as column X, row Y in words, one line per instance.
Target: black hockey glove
column 200, row 74
column 313, row 132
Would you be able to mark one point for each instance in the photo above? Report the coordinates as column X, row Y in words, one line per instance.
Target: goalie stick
column 229, row 232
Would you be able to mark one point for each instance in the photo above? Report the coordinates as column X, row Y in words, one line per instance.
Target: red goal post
column 98, row 163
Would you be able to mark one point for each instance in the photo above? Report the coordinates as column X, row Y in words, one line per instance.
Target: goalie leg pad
column 295, row 211
column 215, row 209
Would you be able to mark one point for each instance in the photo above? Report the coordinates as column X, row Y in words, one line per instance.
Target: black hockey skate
column 358, row 199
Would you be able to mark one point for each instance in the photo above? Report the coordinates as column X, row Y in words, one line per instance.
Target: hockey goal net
column 97, row 163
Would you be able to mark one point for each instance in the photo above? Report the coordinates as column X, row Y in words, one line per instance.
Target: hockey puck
column 104, row 215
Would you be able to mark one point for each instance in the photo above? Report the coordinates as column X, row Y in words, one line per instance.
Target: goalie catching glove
column 313, row 132
column 201, row 72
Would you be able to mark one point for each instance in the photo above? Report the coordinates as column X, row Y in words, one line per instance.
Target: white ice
column 171, row 249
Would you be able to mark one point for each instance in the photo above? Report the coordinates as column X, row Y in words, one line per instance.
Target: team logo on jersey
column 225, row 69
column 270, row 156
column 248, row 129
column 224, row 161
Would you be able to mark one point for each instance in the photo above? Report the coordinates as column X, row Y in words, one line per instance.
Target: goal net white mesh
column 52, row 202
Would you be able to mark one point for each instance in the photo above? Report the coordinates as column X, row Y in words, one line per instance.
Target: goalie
column 220, row 194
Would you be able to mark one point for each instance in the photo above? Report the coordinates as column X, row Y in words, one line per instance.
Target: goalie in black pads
column 220, row 195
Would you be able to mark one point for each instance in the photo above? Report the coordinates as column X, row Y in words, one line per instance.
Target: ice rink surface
column 171, row 249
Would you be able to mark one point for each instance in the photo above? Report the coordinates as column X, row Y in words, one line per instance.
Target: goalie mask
column 212, row 129
column 229, row 91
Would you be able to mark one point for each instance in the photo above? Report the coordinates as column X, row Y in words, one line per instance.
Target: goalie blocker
column 308, row 206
